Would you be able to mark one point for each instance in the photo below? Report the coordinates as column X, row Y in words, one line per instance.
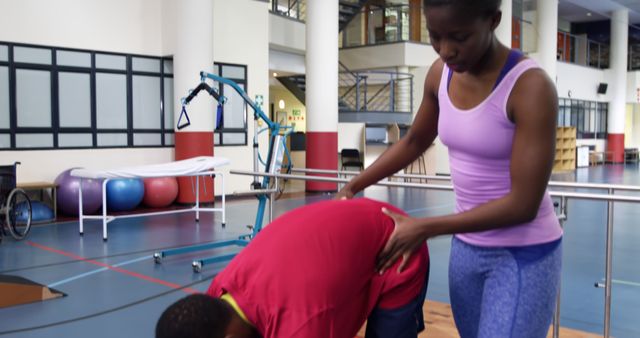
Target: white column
column 547, row 37
column 503, row 31
column 322, row 89
column 322, row 66
column 403, row 90
column 618, row 65
column 193, row 53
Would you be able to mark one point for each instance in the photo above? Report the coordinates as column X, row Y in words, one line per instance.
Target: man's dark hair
column 482, row 7
column 194, row 316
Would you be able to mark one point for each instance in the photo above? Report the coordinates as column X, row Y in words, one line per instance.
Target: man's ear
column 495, row 20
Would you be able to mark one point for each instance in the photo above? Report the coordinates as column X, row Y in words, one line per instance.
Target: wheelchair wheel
column 18, row 214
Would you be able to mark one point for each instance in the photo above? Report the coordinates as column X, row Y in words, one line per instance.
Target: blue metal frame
column 274, row 130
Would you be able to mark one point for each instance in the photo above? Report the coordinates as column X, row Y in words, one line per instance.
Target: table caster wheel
column 197, row 266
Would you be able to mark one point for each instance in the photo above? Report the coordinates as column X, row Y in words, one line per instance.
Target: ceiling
column 597, row 10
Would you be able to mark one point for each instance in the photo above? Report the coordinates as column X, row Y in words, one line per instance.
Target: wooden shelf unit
column 565, row 149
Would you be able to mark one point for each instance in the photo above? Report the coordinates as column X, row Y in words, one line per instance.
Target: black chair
column 351, row 158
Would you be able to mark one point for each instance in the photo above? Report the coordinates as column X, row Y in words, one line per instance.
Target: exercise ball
column 40, row 212
column 67, row 194
column 124, row 193
column 160, row 192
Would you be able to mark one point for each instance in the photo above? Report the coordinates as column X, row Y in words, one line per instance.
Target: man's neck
column 239, row 327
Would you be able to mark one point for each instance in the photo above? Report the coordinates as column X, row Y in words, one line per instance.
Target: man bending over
column 310, row 274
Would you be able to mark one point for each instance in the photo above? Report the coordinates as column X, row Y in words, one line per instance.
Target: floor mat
column 17, row 290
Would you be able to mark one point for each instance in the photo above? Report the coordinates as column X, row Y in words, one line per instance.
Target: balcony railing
column 295, row 9
column 582, row 51
column 401, row 23
column 378, row 91
column 634, row 57
column 378, row 25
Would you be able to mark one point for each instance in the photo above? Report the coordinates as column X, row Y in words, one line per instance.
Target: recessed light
column 275, row 74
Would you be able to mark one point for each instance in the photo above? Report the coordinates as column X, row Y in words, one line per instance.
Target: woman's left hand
column 407, row 236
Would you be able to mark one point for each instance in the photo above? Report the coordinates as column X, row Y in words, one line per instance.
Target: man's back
column 312, row 271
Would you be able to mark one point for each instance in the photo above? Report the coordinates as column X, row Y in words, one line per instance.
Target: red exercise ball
column 160, row 192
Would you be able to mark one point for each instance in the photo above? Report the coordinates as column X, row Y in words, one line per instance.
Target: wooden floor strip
column 439, row 322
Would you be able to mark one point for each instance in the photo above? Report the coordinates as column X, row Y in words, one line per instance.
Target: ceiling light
column 275, row 74
column 588, row 13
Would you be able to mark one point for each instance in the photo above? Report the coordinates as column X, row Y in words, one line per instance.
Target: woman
column 496, row 112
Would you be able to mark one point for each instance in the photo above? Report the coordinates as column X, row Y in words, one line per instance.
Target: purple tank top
column 480, row 140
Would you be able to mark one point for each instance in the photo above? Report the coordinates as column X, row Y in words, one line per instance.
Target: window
column 231, row 127
column 74, row 99
column 589, row 117
column 4, row 98
column 70, row 98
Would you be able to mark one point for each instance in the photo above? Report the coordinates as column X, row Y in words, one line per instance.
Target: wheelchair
column 15, row 205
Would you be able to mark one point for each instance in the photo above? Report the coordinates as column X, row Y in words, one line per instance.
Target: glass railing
column 582, row 51
column 295, row 9
column 634, row 57
column 385, row 25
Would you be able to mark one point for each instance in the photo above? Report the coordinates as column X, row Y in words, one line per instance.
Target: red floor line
column 114, row 268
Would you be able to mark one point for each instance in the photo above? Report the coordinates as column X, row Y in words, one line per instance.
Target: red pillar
column 188, row 145
column 615, row 144
column 322, row 153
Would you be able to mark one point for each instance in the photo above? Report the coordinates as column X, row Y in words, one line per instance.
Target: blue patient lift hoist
column 260, row 186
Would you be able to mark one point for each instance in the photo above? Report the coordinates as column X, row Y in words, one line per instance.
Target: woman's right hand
column 344, row 194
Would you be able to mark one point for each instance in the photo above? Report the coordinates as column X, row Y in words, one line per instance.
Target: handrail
column 346, row 69
column 559, row 184
column 577, row 195
column 610, row 197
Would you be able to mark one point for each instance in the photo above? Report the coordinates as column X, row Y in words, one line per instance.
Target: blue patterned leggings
column 504, row 292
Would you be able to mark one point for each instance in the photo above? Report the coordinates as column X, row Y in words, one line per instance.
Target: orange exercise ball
column 160, row 192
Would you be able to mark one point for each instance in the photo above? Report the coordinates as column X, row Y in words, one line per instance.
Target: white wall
column 43, row 165
column 351, row 135
column 632, row 126
column 287, row 62
column 581, row 83
column 286, row 34
column 137, row 27
column 126, row 26
column 633, row 87
column 241, row 38
column 564, row 25
column 388, row 56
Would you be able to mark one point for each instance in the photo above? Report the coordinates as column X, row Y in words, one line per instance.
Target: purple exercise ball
column 67, row 194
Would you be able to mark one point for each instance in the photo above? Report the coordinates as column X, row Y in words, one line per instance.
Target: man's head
column 195, row 316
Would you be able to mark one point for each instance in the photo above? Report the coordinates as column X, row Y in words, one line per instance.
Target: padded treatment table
column 194, row 167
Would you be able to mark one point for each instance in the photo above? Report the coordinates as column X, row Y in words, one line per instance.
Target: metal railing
column 610, row 197
column 375, row 91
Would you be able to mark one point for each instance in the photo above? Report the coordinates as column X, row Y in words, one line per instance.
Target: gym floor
column 114, row 289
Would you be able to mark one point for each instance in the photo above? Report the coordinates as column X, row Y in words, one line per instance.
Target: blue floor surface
column 115, row 290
